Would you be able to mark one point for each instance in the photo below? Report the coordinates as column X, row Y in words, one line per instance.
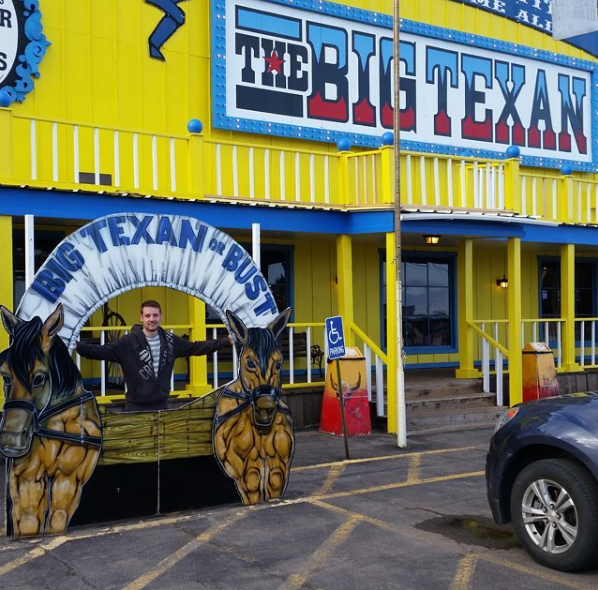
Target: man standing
column 147, row 356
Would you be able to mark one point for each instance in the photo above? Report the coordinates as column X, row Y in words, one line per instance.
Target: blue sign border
column 221, row 120
column 27, row 62
column 333, row 356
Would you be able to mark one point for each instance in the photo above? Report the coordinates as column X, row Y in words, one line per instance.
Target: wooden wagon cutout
column 72, row 461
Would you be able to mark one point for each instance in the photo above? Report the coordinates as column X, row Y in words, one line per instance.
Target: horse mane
column 25, row 349
column 263, row 343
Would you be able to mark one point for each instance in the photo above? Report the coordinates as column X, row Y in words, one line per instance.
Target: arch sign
column 124, row 251
column 55, row 435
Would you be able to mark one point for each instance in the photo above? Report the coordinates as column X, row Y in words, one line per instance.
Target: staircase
column 435, row 402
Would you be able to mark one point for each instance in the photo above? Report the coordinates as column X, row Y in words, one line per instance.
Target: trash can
column 355, row 396
column 539, row 372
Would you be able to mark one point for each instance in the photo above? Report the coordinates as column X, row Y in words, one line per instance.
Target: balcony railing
column 62, row 154
column 49, row 153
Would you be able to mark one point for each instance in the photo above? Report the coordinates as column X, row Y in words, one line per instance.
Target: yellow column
column 391, row 335
column 198, row 379
column 6, row 146
column 513, row 194
column 344, row 269
column 465, row 311
column 568, row 307
column 6, row 285
column 514, row 311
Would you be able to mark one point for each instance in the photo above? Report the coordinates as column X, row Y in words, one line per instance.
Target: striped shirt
column 154, row 344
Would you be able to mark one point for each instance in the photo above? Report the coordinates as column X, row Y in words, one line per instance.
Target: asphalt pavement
column 388, row 518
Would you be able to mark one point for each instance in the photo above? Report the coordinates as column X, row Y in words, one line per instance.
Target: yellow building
column 280, row 113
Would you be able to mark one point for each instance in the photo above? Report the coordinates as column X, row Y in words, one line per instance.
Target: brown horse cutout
column 253, row 431
column 50, row 432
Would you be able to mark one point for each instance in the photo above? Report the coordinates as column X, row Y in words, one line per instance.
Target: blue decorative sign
column 335, row 337
column 173, row 19
column 22, row 47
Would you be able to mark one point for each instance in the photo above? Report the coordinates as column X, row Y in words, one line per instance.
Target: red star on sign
column 274, row 64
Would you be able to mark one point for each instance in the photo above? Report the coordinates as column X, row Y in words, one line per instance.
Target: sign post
column 336, row 349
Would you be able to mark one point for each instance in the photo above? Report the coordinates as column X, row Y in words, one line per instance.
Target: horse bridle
column 247, row 401
column 38, row 418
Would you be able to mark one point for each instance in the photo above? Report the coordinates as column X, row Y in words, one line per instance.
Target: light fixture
column 504, row 282
column 431, row 239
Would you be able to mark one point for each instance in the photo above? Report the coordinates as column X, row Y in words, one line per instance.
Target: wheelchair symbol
column 333, row 335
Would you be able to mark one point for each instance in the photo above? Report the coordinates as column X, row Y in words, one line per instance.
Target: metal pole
column 256, row 244
column 342, row 401
column 401, row 418
column 29, row 250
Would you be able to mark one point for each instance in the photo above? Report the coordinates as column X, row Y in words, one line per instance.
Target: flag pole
column 400, row 376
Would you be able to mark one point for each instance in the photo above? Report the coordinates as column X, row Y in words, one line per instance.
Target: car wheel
column 554, row 508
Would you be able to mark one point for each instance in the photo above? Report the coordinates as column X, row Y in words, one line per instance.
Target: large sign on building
column 120, row 252
column 22, row 47
column 323, row 71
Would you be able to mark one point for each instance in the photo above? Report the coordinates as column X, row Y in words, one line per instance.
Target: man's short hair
column 151, row 303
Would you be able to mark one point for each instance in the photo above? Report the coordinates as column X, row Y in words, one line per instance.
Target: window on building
column 45, row 242
column 428, row 302
column 550, row 288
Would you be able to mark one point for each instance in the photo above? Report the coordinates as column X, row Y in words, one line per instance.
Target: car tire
column 554, row 509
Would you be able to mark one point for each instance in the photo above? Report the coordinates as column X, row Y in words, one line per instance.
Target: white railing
column 300, row 365
column 427, row 180
column 108, row 157
column 250, row 171
column 376, row 384
column 494, row 346
column 60, row 153
column 303, row 346
column 492, row 350
column 585, row 335
column 547, row 330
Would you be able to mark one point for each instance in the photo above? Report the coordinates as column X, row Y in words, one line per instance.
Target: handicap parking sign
column 335, row 337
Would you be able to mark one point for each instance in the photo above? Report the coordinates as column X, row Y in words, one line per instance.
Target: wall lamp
column 431, row 239
column 504, row 282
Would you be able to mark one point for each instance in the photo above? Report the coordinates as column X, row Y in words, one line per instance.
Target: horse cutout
column 253, row 430
column 51, row 431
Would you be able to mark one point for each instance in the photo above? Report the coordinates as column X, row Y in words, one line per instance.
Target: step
column 442, row 387
column 453, row 418
column 423, row 404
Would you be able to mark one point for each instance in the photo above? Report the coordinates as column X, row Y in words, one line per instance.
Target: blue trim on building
column 88, row 206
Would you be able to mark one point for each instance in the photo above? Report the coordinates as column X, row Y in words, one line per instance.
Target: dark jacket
column 145, row 390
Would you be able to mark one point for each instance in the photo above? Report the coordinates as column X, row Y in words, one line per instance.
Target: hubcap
column 550, row 516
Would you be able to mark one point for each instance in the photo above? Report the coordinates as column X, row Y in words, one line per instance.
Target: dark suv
column 542, row 475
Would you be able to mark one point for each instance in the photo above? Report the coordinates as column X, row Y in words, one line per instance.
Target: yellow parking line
column 170, row 561
column 566, row 580
column 321, row 555
column 464, row 574
column 334, row 473
column 374, row 489
column 389, row 457
column 414, row 469
column 43, row 547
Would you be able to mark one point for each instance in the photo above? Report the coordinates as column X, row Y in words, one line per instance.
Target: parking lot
column 413, row 518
